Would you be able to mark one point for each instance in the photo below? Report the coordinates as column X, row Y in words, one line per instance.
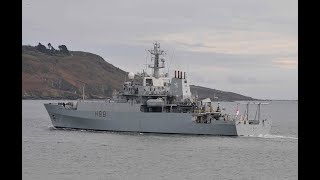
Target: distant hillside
column 204, row 92
column 48, row 73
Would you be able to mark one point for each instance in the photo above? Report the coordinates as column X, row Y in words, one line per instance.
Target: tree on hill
column 50, row 47
column 51, row 50
column 41, row 48
column 63, row 49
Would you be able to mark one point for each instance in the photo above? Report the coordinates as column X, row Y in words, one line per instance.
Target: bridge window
column 149, row 82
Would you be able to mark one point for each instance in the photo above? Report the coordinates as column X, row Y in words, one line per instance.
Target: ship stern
column 261, row 129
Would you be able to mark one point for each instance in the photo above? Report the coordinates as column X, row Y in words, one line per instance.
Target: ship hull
column 177, row 123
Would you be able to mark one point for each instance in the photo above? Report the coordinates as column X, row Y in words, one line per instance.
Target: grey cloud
column 243, row 80
column 117, row 31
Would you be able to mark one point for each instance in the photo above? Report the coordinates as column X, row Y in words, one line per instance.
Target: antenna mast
column 82, row 88
column 83, row 92
column 156, row 52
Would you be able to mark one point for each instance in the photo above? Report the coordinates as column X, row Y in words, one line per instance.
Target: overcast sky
column 244, row 46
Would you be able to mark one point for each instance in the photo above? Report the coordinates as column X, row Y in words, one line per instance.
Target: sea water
column 49, row 153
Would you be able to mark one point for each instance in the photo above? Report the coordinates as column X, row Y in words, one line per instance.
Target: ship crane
column 258, row 109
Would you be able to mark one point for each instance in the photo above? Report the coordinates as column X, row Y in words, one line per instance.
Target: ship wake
column 273, row 136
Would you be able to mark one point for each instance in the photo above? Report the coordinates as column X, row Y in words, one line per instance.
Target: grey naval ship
column 156, row 103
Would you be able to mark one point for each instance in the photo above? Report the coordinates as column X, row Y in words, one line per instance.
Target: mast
column 83, row 92
column 259, row 111
column 156, row 52
column 248, row 111
column 83, row 84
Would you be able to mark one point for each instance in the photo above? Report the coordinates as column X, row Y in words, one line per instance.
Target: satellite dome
column 131, row 75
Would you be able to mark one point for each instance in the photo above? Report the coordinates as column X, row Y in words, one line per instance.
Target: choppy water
column 48, row 153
